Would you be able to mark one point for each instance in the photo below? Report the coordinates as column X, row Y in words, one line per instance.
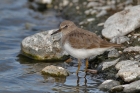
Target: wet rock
column 122, row 23
column 44, row 1
column 108, row 84
column 109, row 64
column 55, row 71
column 42, row 46
column 132, row 49
column 128, row 70
column 133, row 87
column 120, row 39
column 113, row 53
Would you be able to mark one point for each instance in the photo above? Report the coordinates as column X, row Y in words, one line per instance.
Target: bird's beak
column 59, row 30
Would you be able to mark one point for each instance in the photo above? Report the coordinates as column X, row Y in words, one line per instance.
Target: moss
column 65, row 57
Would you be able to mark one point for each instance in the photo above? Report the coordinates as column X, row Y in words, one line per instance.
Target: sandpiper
column 81, row 43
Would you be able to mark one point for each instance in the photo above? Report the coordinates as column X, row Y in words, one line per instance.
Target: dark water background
column 19, row 74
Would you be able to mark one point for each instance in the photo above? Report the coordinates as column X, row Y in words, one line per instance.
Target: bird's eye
column 66, row 26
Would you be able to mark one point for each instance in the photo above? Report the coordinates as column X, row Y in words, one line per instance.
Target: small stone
column 117, row 88
column 125, row 64
column 130, row 73
column 133, row 87
column 120, row 39
column 90, row 19
column 102, row 13
column 44, row 1
column 92, row 4
column 137, row 57
column 128, row 70
column 109, row 64
column 113, row 53
column 55, row 71
column 132, row 49
column 108, row 84
column 100, row 24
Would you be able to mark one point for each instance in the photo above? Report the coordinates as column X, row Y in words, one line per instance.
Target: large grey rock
column 128, row 70
column 42, row 46
column 122, row 23
column 55, row 71
column 108, row 84
column 133, row 87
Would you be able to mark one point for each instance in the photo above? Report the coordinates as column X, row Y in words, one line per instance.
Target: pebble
column 55, row 71
column 108, row 85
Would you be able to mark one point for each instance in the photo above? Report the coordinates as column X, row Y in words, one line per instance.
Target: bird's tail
column 108, row 44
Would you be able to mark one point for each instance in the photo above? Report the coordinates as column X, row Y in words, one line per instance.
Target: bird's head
column 65, row 27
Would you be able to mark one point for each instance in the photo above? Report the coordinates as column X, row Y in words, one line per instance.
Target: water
column 19, row 74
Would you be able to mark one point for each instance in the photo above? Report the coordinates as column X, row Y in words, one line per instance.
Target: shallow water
column 19, row 74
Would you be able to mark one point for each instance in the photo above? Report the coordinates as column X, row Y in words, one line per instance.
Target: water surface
column 19, row 74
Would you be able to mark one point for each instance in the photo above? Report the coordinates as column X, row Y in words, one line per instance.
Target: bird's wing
column 83, row 39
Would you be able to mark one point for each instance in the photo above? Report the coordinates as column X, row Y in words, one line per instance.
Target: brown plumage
column 80, row 39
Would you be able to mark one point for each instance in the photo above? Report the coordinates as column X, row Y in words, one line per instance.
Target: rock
column 128, row 70
column 93, row 4
column 133, row 87
column 130, row 73
column 100, row 24
column 132, row 49
column 90, row 11
column 126, row 63
column 109, row 64
column 113, row 53
column 137, row 57
column 120, row 39
column 44, row 1
column 42, row 46
column 102, row 13
column 122, row 23
column 55, row 71
column 108, row 84
column 29, row 25
column 90, row 19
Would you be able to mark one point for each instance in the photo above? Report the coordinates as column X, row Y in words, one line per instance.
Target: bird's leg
column 79, row 65
column 86, row 65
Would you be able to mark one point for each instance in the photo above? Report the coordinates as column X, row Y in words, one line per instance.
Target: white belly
column 83, row 53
